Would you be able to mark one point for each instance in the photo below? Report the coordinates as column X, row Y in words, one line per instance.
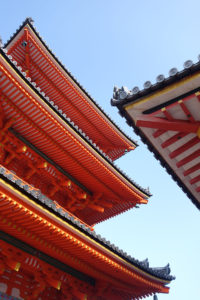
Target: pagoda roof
column 25, row 195
column 95, row 169
column 67, row 93
column 165, row 114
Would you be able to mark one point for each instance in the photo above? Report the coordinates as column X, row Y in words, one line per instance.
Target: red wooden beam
column 163, row 124
column 173, row 139
column 192, row 169
column 158, row 132
column 179, row 135
column 184, row 147
column 186, row 111
column 188, row 158
column 195, row 179
column 198, row 189
column 168, row 116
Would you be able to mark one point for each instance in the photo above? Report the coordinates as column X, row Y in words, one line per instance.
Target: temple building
column 57, row 180
column 166, row 117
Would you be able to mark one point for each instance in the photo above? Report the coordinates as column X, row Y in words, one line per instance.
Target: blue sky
column 106, row 43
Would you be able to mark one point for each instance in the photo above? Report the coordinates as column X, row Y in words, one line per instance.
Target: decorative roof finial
column 30, row 20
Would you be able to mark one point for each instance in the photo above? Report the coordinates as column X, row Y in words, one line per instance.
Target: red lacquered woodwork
column 57, row 180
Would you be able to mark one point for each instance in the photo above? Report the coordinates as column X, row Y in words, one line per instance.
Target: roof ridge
column 124, row 95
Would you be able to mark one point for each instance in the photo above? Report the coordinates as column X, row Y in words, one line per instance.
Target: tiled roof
column 123, row 95
column 37, row 196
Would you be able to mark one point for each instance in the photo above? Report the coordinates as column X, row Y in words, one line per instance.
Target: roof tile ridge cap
column 75, row 127
column 36, row 193
column 76, row 81
column 121, row 95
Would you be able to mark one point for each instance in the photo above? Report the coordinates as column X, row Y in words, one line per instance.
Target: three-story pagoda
column 57, row 180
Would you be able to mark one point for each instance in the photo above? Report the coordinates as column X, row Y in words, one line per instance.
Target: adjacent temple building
column 166, row 116
column 57, row 180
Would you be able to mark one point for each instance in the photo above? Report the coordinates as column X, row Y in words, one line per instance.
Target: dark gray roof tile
column 174, row 75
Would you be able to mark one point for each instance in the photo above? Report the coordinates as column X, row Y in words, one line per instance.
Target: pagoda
column 166, row 116
column 57, row 180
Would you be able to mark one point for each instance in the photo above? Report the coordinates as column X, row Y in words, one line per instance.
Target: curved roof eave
column 42, row 200
column 29, row 21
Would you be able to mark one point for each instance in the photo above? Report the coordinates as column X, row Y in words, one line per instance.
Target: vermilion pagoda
column 58, row 179
column 166, row 116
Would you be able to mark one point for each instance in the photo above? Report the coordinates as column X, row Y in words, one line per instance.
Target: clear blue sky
column 126, row 42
